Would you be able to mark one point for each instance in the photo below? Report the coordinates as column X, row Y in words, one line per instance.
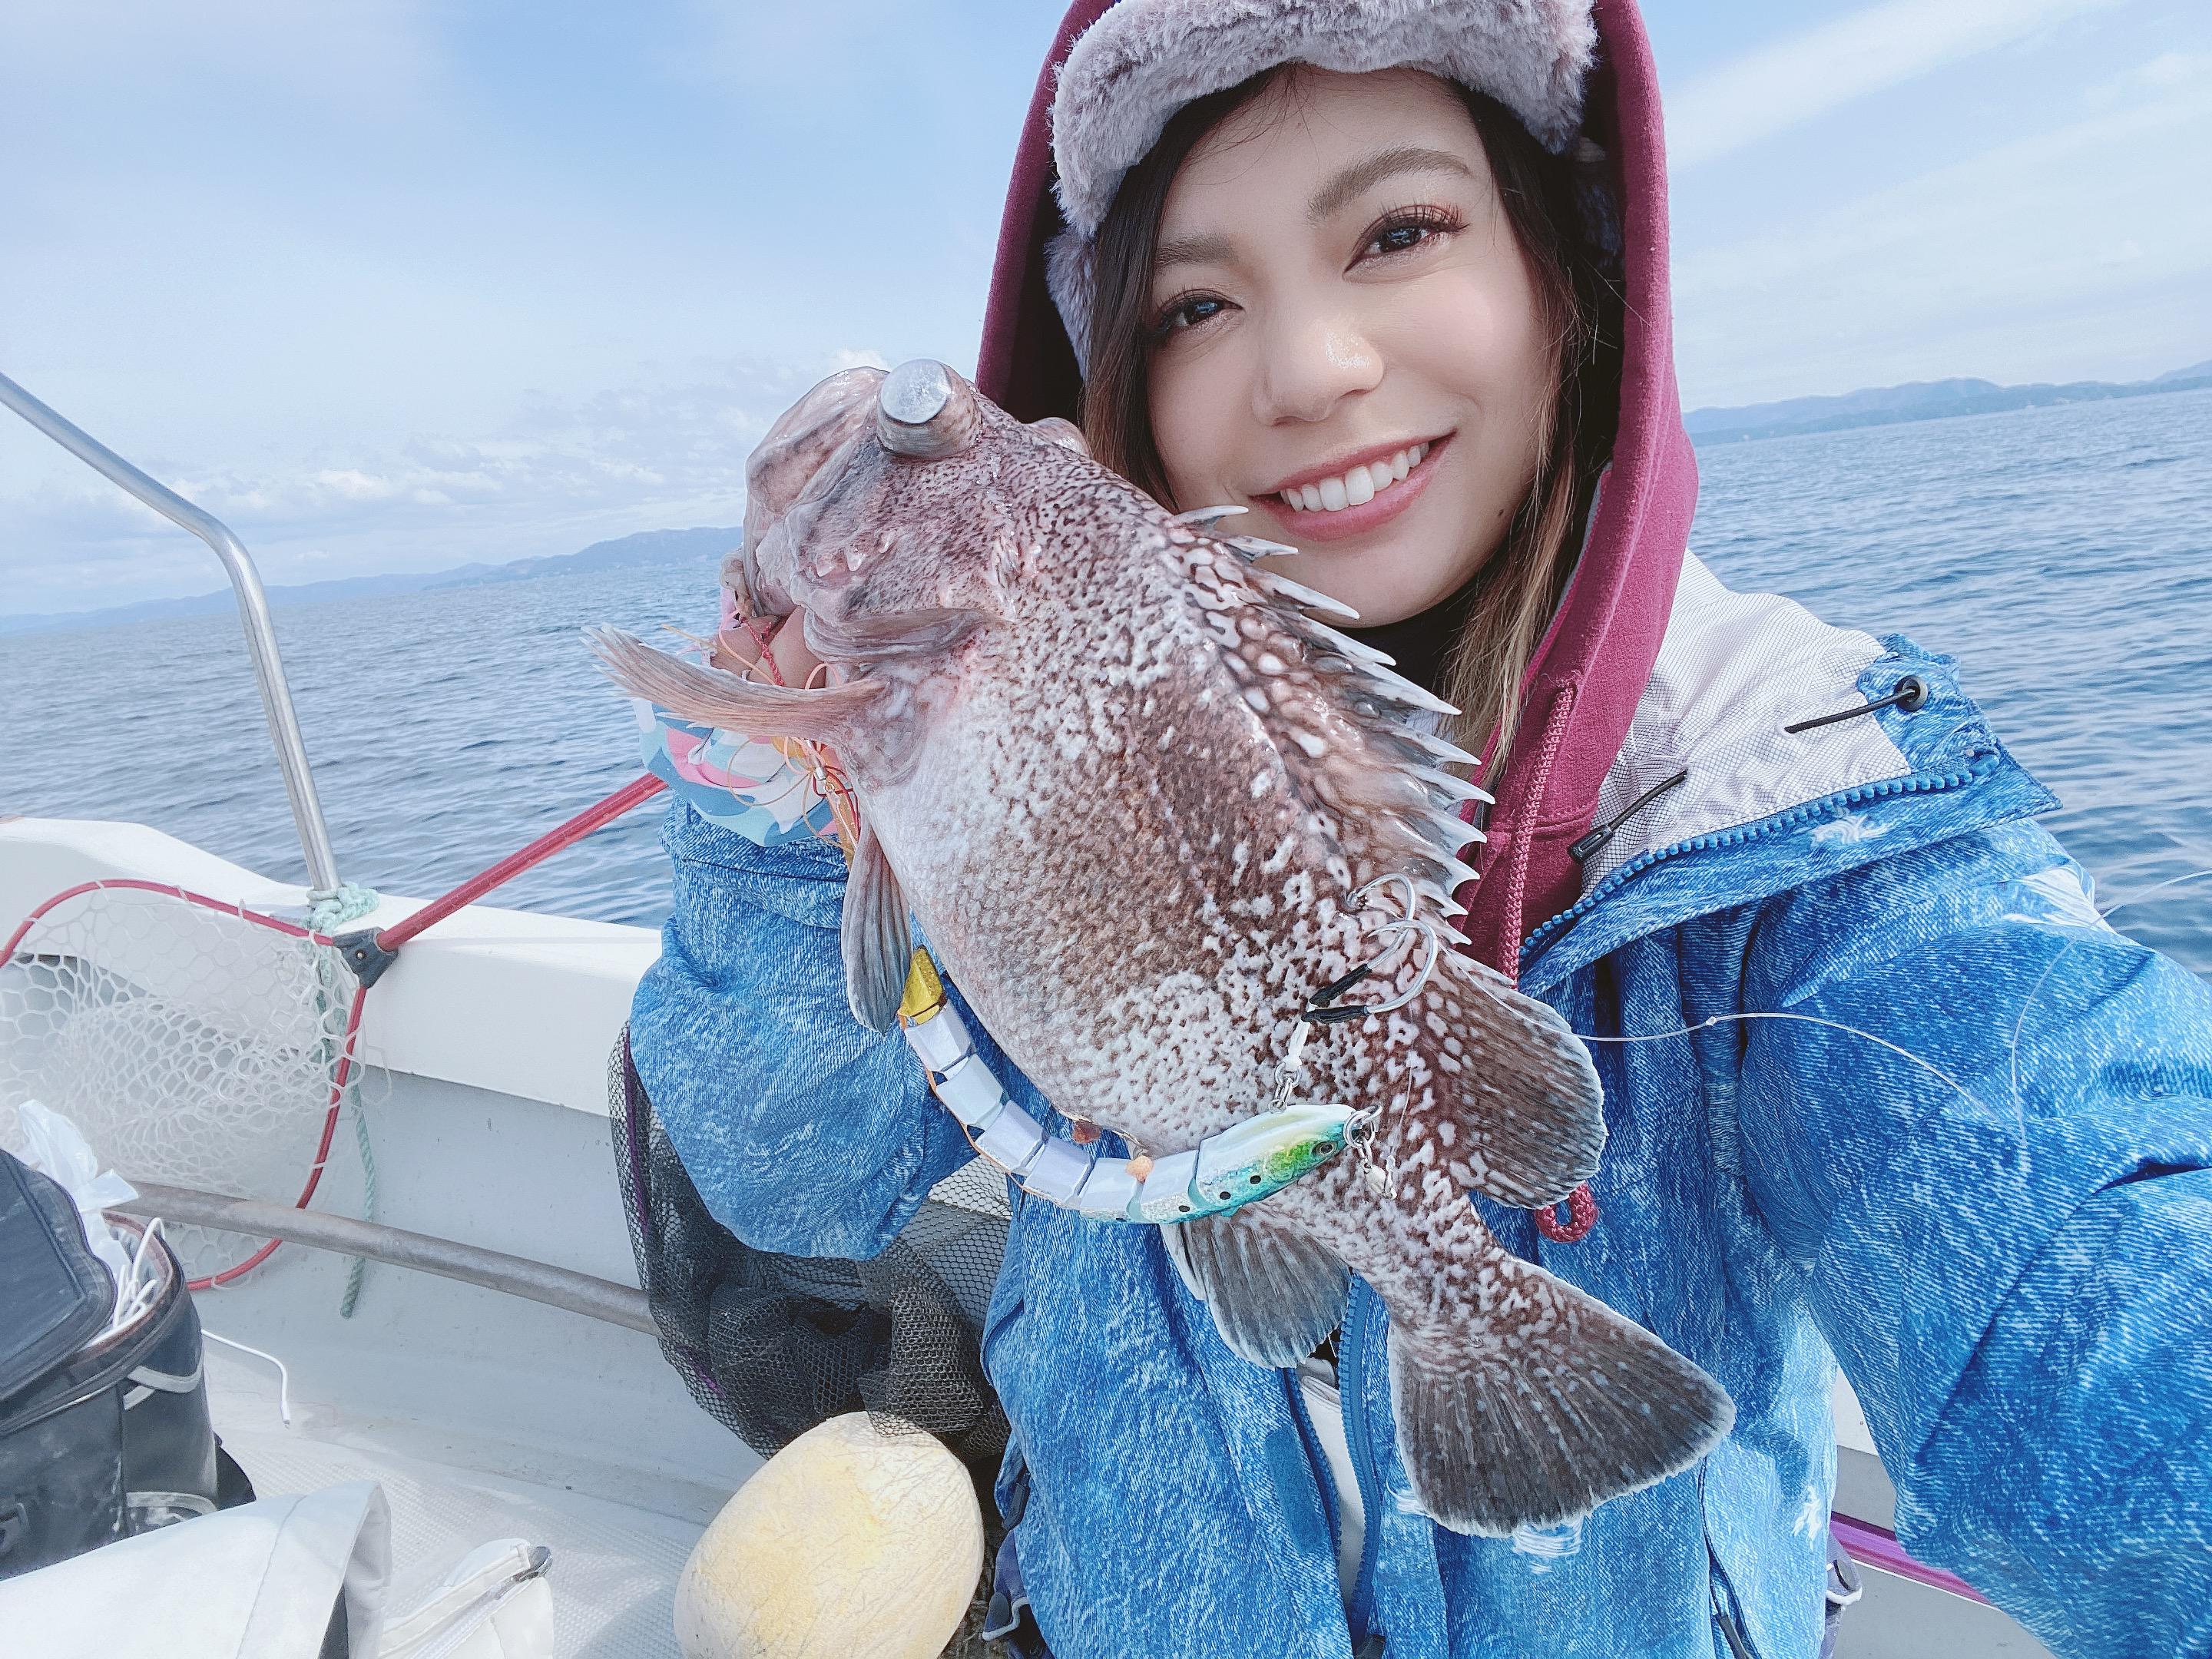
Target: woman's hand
column 736, row 652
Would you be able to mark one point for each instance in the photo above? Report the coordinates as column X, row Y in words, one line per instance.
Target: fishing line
column 2028, row 1005
column 2019, row 1111
column 2177, row 881
column 1708, row 1024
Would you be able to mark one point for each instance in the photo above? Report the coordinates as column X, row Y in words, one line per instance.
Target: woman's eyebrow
column 1374, row 169
column 1207, row 248
column 1199, row 250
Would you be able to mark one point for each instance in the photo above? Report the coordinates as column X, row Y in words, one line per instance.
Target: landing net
column 771, row 1344
column 196, row 1044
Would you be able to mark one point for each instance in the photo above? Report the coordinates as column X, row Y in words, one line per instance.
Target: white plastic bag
column 54, row 1147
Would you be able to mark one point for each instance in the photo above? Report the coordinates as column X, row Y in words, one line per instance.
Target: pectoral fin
column 713, row 698
column 1273, row 1292
column 878, row 945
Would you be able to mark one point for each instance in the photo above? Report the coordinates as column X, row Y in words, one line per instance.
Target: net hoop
column 344, row 1064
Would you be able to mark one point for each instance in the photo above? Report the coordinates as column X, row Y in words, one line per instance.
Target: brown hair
column 1519, row 586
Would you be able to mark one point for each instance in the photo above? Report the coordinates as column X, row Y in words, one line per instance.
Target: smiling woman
column 1308, row 290
column 1879, row 1086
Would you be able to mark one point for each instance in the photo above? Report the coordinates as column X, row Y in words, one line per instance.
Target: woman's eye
column 1188, row 313
column 1403, row 235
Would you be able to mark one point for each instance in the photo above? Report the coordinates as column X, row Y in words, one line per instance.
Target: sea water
column 2063, row 555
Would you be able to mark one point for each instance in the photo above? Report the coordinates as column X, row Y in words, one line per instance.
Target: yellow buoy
column 852, row 1540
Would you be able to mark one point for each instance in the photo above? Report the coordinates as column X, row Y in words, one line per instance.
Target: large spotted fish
column 1130, row 788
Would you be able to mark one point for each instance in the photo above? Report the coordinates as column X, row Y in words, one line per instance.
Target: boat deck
column 615, row 1563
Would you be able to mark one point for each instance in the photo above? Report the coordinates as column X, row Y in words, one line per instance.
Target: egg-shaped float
column 854, row 1538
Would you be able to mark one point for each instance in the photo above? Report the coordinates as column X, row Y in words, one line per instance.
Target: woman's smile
column 1350, row 495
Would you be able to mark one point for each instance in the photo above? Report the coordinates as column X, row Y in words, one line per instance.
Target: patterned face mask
column 740, row 783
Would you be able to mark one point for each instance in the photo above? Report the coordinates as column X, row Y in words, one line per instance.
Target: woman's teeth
column 1355, row 487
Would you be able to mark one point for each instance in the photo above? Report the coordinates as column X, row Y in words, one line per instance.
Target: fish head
column 802, row 457
column 875, row 505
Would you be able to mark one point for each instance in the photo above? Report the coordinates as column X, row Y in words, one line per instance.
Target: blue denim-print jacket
column 2001, row 1227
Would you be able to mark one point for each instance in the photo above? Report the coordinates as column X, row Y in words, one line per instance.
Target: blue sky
column 399, row 286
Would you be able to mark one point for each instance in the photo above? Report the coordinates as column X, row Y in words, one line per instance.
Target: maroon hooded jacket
column 1583, row 684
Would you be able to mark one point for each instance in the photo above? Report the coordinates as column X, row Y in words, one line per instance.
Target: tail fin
column 1541, row 1403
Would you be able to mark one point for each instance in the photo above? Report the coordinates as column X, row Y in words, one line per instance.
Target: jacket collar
column 1712, row 802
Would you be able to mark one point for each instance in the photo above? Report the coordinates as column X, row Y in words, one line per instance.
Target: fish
column 1144, row 804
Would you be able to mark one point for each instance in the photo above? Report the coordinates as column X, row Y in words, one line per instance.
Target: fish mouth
column 788, row 476
column 1356, row 494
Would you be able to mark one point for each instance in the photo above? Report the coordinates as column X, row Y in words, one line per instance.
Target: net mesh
column 191, row 1045
column 772, row 1344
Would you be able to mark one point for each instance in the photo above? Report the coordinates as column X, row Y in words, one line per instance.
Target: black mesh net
column 772, row 1344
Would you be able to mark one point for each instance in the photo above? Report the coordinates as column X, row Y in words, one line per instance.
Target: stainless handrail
column 252, row 612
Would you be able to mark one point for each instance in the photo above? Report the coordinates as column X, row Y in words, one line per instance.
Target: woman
column 1881, row 1088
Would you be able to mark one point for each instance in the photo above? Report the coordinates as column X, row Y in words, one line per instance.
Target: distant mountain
column 648, row 547
column 1921, row 400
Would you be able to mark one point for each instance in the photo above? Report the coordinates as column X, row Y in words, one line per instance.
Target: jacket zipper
column 1358, row 1440
column 1920, row 783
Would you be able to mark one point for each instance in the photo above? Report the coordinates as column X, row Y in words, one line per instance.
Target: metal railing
column 252, row 612
column 496, row 1270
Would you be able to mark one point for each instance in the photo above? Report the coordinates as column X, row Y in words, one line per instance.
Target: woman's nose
column 1313, row 362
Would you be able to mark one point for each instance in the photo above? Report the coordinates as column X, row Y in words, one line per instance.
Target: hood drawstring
column 1912, row 692
column 1582, row 850
column 1582, row 1206
column 1911, row 695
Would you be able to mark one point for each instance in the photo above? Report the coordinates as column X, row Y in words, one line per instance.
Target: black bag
column 101, row 1435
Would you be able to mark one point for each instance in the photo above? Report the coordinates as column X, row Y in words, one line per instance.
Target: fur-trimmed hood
column 1144, row 60
column 1574, row 71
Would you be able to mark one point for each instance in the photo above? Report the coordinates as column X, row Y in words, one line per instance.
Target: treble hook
column 1320, row 1014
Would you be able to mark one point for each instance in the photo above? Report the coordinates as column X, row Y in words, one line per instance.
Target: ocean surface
column 2063, row 555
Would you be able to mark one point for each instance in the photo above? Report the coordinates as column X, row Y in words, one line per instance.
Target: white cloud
column 2174, row 68
column 562, row 473
column 372, row 58
column 2059, row 255
column 1766, row 92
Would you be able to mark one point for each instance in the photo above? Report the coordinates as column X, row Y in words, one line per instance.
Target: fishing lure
column 1250, row 1160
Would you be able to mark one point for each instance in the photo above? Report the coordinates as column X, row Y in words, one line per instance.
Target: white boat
column 526, row 1398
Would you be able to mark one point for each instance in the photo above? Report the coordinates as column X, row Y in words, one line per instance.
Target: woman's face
column 1347, row 338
